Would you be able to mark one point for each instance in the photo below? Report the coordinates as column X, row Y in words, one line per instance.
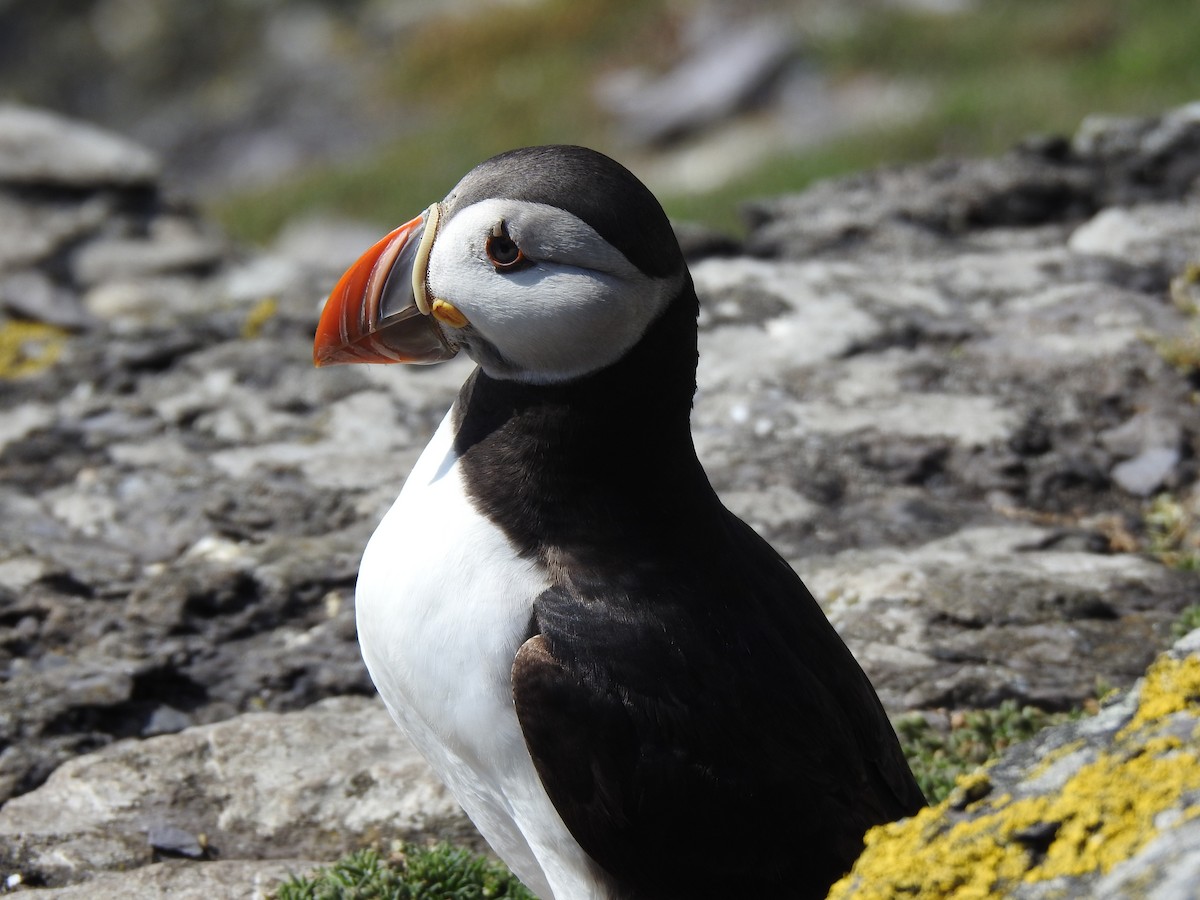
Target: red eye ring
column 503, row 252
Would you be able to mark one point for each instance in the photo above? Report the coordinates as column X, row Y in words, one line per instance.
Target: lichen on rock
column 28, row 347
column 1003, row 833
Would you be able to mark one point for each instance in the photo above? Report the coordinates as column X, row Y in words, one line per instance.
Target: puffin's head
column 543, row 264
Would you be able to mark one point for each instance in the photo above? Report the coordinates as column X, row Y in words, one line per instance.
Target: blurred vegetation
column 524, row 73
column 975, row 737
column 1172, row 533
column 413, row 873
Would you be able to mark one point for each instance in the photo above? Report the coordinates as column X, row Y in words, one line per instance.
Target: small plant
column 1172, row 533
column 938, row 756
column 1182, row 351
column 441, row 872
column 1188, row 621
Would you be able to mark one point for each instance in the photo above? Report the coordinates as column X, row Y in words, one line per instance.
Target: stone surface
column 40, row 148
column 946, row 393
column 994, row 613
column 306, row 784
column 728, row 66
column 219, row 880
column 1101, row 807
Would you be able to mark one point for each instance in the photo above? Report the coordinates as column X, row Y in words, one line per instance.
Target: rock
column 1101, row 807
column 1145, row 430
column 939, row 391
column 1145, row 158
column 34, row 228
column 32, row 295
column 315, row 783
column 915, row 205
column 40, row 148
column 1146, row 472
column 222, row 880
column 1121, row 232
column 728, row 65
column 324, row 244
column 990, row 614
column 20, row 421
column 173, row 841
column 1147, row 161
column 171, row 246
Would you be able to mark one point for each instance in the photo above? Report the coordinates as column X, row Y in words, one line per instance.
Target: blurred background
column 269, row 110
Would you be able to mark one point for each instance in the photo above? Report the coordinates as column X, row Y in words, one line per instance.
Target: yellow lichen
column 262, row 313
column 27, row 348
column 1105, row 813
column 1171, row 686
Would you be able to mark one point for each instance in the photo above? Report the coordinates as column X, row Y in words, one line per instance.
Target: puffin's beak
column 379, row 310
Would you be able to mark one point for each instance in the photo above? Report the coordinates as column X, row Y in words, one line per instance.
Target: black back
column 696, row 720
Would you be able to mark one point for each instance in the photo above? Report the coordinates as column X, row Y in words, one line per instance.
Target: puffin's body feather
column 632, row 695
column 442, row 605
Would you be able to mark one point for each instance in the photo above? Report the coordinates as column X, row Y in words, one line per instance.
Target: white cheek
column 553, row 321
column 564, row 322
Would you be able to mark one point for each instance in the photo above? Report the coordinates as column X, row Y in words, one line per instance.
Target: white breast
column 443, row 603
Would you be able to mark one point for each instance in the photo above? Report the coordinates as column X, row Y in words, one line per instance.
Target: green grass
column 1189, row 621
column 524, row 73
column 418, row 873
column 518, row 74
column 1008, row 67
column 975, row 737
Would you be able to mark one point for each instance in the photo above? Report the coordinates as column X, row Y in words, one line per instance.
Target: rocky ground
column 947, row 393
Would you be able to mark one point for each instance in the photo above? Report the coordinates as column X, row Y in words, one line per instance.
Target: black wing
column 714, row 738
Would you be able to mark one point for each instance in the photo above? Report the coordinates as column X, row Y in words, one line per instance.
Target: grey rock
column 918, row 206
column 990, row 614
column 166, row 719
column 1144, row 158
column 40, row 148
column 315, row 783
column 328, row 245
column 33, row 230
column 31, row 294
column 171, row 246
column 1122, row 232
column 1110, row 162
column 728, row 65
column 219, row 880
column 174, row 841
column 1145, row 430
column 1147, row 472
column 921, row 385
column 20, row 421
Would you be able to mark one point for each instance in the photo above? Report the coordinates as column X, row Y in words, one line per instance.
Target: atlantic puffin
column 631, row 694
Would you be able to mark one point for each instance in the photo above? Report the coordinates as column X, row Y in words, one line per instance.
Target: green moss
column 1188, row 621
column 416, row 873
column 939, row 758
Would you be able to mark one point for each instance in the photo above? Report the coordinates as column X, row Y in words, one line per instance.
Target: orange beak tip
column 365, row 321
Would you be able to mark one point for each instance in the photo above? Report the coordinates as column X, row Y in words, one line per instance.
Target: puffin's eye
column 502, row 251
